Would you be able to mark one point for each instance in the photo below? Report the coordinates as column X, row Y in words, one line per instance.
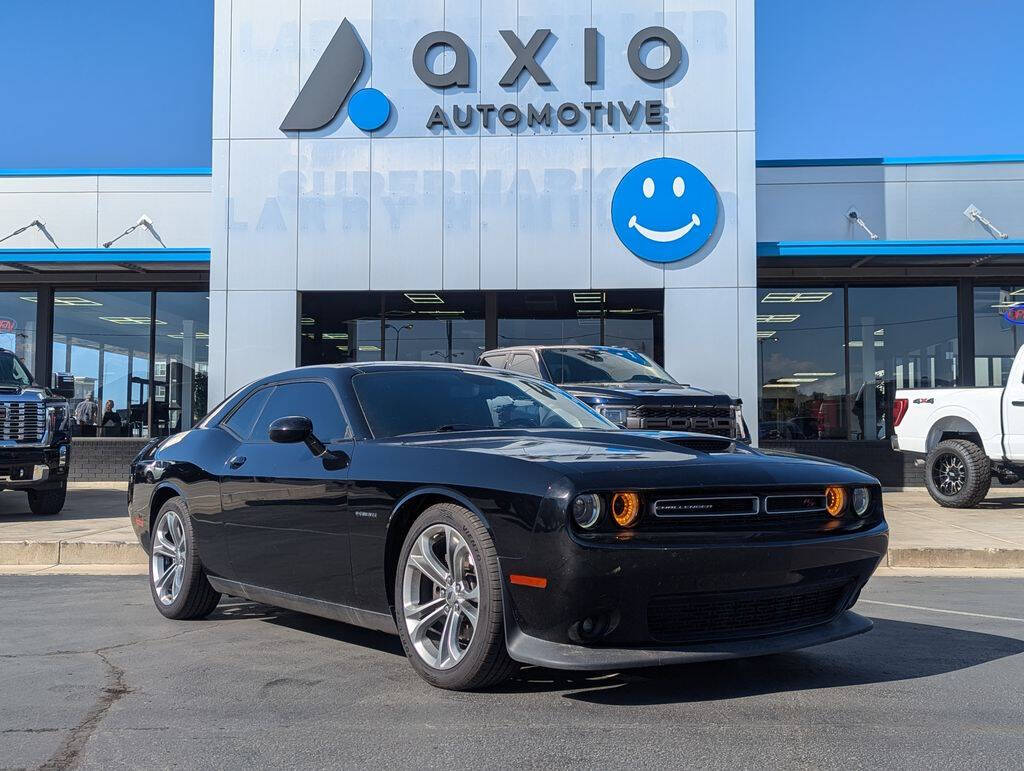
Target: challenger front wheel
column 448, row 601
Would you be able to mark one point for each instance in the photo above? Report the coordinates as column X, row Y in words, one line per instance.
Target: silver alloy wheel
column 167, row 563
column 441, row 596
column 950, row 474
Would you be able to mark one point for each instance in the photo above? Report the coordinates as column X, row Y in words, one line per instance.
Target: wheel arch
column 952, row 427
column 404, row 513
column 163, row 493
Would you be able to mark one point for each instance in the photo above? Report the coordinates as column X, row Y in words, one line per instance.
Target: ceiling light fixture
column 796, row 297
column 777, row 318
column 764, row 334
column 813, row 374
column 140, row 320
column 587, row 297
column 424, row 298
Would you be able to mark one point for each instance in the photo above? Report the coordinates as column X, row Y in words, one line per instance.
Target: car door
column 286, row 510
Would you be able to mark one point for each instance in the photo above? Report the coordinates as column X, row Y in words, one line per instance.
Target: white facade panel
column 70, row 218
column 260, row 333
column 179, row 219
column 334, row 214
column 495, row 207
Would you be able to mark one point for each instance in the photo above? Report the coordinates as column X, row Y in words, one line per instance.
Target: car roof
column 555, row 347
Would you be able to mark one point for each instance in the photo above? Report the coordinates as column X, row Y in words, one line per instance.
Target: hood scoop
column 706, row 444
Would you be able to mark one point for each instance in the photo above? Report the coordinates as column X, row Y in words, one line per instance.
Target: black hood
column 652, row 393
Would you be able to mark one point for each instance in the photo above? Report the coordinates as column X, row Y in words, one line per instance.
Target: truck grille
column 22, row 421
column 708, row 420
column 691, row 617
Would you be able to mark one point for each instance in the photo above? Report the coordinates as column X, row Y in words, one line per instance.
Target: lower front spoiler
column 532, row 650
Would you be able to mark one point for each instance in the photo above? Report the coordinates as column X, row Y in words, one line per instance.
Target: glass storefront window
column 627, row 318
column 102, row 338
column 434, row 326
column 996, row 339
column 801, row 363
column 899, row 337
column 18, row 326
column 181, row 362
column 340, row 327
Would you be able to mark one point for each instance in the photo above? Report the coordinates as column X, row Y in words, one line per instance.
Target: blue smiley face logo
column 664, row 209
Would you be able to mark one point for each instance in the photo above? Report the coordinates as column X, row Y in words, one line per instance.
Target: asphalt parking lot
column 93, row 677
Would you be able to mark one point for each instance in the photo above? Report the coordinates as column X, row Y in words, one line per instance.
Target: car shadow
column 894, row 650
column 992, row 504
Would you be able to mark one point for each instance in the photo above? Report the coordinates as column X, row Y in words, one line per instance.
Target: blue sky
column 114, row 83
column 126, row 83
column 871, row 78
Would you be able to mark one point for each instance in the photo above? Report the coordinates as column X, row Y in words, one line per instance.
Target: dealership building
column 426, row 181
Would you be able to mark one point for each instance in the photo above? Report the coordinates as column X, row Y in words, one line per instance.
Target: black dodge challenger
column 490, row 518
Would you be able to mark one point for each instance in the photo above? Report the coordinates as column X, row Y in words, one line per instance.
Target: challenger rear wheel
column 958, row 474
column 177, row 580
column 448, row 601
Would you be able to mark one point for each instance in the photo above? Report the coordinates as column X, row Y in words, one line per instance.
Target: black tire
column 485, row 661
column 971, row 472
column 196, row 598
column 47, row 503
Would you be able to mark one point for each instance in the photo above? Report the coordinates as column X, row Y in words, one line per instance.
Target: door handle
column 1017, row 404
column 237, row 461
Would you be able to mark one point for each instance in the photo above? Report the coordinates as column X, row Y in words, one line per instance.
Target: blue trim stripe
column 894, row 160
column 92, row 256
column 886, row 248
column 185, row 171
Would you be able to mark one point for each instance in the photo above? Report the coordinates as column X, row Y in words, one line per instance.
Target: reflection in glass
column 434, row 326
column 18, row 325
column 996, row 339
column 801, row 363
column 899, row 337
column 102, row 338
column 181, row 361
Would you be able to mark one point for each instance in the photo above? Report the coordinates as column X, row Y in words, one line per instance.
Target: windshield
column 414, row 401
column 12, row 371
column 602, row 365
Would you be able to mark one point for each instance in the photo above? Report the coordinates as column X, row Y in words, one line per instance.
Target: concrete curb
column 128, row 553
column 71, row 553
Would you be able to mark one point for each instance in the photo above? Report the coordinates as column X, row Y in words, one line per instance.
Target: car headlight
column 835, row 501
column 586, row 510
column 861, row 501
column 615, row 414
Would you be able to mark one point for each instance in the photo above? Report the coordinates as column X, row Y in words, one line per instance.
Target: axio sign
column 343, row 60
column 663, row 210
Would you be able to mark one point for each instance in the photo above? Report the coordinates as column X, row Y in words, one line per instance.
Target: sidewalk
column 94, row 530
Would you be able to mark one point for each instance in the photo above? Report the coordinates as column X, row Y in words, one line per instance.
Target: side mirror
column 64, row 384
column 291, row 430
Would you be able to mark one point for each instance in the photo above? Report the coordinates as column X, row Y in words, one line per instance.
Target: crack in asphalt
column 70, row 749
column 114, row 688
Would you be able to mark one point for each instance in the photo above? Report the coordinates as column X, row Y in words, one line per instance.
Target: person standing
column 111, row 421
column 85, row 415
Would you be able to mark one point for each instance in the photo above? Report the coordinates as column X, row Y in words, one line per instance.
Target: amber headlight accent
column 835, row 501
column 625, row 509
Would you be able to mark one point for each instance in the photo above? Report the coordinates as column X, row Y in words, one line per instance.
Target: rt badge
column 664, row 209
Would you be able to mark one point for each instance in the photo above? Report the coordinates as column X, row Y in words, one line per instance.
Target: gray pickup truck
column 35, row 437
column 626, row 387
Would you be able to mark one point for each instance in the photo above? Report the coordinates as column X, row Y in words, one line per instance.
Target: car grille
column 22, row 421
column 707, row 420
column 691, row 617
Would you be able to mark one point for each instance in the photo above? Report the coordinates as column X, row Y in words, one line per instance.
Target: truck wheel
column 47, row 503
column 958, row 474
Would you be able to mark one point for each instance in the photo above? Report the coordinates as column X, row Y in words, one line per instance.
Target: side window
column 315, row 401
column 497, row 361
column 524, row 362
column 245, row 416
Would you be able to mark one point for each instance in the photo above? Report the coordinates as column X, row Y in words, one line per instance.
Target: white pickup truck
column 966, row 436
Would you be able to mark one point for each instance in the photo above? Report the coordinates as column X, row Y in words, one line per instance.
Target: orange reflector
column 625, row 509
column 535, row 581
column 835, row 500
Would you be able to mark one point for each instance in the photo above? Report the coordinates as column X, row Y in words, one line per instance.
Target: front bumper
column 34, row 467
column 542, row 653
column 626, row 604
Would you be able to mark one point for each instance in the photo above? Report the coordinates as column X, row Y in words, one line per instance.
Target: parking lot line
column 943, row 610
